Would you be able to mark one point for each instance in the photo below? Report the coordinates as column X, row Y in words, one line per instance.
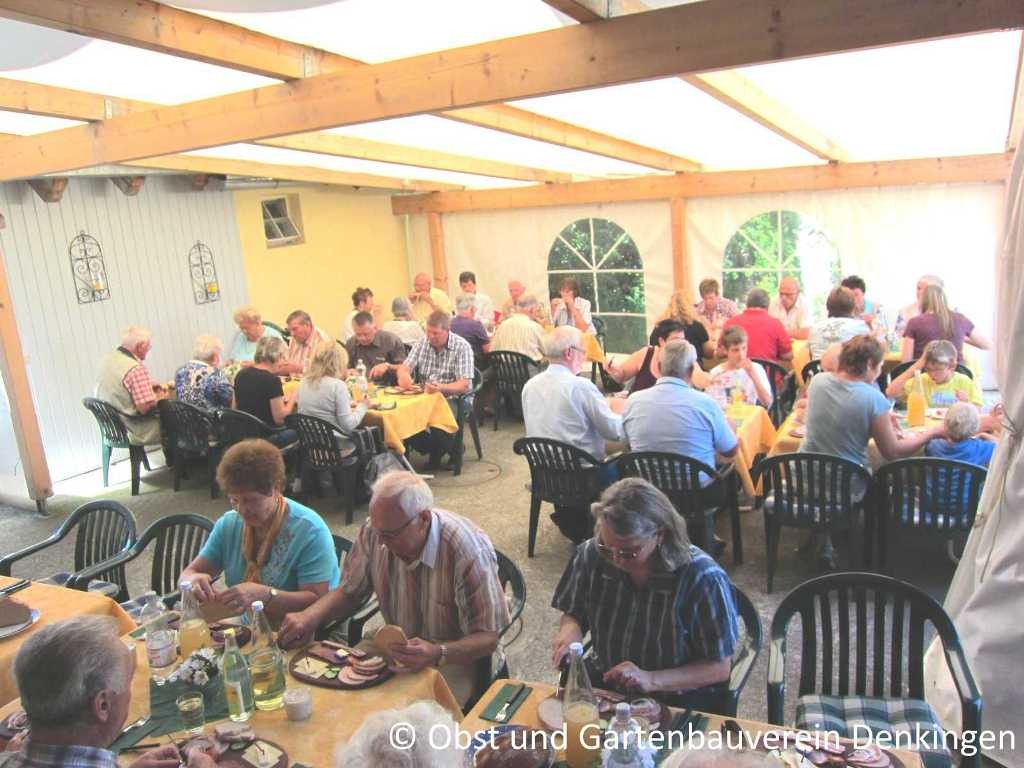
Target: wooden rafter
column 1014, row 135
column 51, row 101
column 711, row 35
column 151, row 25
column 897, row 173
column 730, row 88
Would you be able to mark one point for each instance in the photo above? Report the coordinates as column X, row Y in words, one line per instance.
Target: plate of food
column 344, row 668
column 236, row 745
column 13, row 724
column 834, row 753
column 415, row 389
column 20, row 622
column 649, row 713
column 936, row 413
column 390, row 405
column 509, row 746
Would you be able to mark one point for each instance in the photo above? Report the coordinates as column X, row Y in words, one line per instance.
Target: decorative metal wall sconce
column 88, row 269
column 205, row 287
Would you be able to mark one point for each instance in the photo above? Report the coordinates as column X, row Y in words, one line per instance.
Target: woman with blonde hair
column 938, row 321
column 660, row 610
column 681, row 310
column 325, row 395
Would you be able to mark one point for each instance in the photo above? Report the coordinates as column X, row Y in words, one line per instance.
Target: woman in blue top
column 269, row 548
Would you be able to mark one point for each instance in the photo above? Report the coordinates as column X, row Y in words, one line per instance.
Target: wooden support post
column 50, row 190
column 438, row 258
column 129, row 185
column 680, row 259
column 19, row 394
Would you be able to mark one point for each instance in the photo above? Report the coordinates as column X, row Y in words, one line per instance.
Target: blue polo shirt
column 674, row 417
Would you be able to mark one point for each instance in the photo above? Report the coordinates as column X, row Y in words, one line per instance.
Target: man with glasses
column 435, row 575
column 561, row 405
column 790, row 309
column 660, row 611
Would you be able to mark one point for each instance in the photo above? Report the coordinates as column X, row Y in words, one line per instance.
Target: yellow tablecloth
column 756, row 435
column 527, row 715
column 590, row 345
column 412, row 415
column 53, row 604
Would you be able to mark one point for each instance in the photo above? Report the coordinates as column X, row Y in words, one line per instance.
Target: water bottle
column 262, row 636
column 361, row 381
column 161, row 645
column 234, row 671
column 579, row 710
column 624, row 751
column 266, row 663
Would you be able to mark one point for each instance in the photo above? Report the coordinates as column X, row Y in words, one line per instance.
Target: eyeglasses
column 620, row 554
column 395, row 532
column 577, row 349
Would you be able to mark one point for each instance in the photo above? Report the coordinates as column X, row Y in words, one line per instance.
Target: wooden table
column 527, row 715
column 54, row 604
column 412, row 415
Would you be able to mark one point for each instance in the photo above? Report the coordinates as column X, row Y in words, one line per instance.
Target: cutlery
column 17, row 586
column 142, row 747
column 137, row 724
column 515, row 699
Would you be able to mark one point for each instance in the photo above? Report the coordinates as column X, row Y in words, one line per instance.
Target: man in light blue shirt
column 561, row 405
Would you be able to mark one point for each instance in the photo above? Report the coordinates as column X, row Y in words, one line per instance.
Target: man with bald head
column 425, row 299
column 516, row 290
column 790, row 309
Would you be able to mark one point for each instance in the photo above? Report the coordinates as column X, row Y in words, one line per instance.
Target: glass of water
column 193, row 714
column 267, row 668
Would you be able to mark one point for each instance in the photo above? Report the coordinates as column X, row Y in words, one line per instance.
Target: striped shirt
column 450, row 592
column 57, row 756
column 679, row 617
column 452, row 362
column 302, row 352
column 520, row 334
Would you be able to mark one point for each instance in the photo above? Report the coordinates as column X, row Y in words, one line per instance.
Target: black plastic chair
column 777, row 382
column 467, row 415
column 810, row 371
column 897, row 370
column 102, row 529
column 350, row 630
column 190, row 432
column 560, row 474
column 681, row 478
column 879, row 623
column 114, row 434
column 177, row 540
column 748, row 647
column 514, row 586
column 511, row 372
column 926, row 494
column 812, row 490
column 320, row 452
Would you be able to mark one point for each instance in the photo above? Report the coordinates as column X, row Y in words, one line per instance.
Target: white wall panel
column 145, row 241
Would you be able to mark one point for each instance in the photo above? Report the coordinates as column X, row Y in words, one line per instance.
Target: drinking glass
column 193, row 714
column 267, row 668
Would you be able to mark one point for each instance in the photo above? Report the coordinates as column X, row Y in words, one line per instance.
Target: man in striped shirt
column 75, row 678
column 522, row 333
column 435, row 575
column 660, row 611
column 306, row 341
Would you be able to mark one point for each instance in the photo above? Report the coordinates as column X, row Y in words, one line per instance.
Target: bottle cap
column 576, row 649
column 622, row 710
column 185, row 586
column 257, row 605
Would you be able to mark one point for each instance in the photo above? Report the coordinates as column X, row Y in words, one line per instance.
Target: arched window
column 606, row 263
column 778, row 244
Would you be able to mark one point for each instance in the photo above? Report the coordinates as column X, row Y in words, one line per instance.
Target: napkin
column 134, row 736
column 512, row 691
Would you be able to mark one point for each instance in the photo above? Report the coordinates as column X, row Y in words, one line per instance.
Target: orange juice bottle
column 193, row 632
column 916, row 403
column 579, row 710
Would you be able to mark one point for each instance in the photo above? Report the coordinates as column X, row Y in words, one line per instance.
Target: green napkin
column 507, row 692
column 134, row 736
column 164, row 710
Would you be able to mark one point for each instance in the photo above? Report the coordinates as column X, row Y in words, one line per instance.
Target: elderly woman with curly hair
column 660, row 610
column 268, row 547
column 433, row 740
column 250, row 330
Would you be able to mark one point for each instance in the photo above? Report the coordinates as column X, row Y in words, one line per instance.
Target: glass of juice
column 267, row 668
column 193, row 714
column 582, row 748
column 193, row 634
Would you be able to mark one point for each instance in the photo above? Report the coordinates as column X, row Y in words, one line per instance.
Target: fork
column 137, row 724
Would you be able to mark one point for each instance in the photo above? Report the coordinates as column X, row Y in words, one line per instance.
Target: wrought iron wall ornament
column 88, row 269
column 205, row 287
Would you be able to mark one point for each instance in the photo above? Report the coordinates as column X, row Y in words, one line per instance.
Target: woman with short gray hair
column 403, row 325
column 432, row 736
column 660, row 610
column 200, row 381
column 250, row 330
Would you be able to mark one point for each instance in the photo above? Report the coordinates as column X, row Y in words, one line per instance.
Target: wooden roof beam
column 896, row 173
column 711, row 35
column 157, row 27
column 51, row 101
column 730, row 88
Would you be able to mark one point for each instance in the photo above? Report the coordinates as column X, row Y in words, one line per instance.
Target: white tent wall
column 145, row 241
column 889, row 236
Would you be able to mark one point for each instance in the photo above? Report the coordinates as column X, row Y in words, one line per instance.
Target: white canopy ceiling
column 949, row 97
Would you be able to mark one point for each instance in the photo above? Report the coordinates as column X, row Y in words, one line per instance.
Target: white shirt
column 562, row 406
column 834, row 330
column 562, row 316
column 792, row 319
column 409, row 331
column 484, row 310
column 724, row 379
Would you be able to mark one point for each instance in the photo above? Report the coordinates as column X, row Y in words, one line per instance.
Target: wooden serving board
column 232, row 758
column 334, row 681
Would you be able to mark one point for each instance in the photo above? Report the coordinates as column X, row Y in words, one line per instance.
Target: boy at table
column 738, row 370
column 941, row 382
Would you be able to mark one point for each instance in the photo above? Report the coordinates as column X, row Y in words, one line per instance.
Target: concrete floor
column 492, row 493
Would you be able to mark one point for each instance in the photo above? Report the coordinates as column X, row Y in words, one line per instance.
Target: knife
column 17, row 586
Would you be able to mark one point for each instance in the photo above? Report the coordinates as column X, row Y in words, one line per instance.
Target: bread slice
column 387, row 637
column 13, row 613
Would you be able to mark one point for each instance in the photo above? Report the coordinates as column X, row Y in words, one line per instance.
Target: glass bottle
column 161, row 650
column 193, row 632
column 624, row 750
column 262, row 635
column 237, row 680
column 916, row 404
column 579, row 710
column 266, row 663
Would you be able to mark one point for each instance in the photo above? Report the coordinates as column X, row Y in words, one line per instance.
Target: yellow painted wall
column 351, row 239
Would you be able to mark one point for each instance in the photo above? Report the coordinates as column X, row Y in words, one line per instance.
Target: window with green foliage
column 779, row 244
column 606, row 263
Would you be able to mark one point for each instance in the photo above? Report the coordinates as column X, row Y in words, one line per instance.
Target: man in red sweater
column 766, row 336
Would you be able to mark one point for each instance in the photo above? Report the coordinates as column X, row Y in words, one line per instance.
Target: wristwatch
column 443, row 658
column 273, row 595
